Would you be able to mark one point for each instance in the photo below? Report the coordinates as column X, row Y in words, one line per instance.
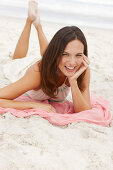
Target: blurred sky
column 94, row 13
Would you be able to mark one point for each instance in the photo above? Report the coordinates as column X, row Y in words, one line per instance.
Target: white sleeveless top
column 63, row 91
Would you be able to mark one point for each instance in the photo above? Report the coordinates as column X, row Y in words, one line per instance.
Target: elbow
column 88, row 107
column 85, row 108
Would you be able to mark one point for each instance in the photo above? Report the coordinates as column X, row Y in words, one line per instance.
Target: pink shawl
column 99, row 114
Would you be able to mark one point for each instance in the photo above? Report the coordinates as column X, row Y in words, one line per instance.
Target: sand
column 33, row 143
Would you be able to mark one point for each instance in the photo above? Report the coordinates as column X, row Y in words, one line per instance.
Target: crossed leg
column 23, row 42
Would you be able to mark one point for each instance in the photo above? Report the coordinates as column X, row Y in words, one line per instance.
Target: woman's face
column 71, row 58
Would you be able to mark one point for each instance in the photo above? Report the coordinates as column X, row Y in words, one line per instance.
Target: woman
column 64, row 65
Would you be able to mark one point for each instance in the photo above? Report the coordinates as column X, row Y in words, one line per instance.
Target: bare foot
column 33, row 13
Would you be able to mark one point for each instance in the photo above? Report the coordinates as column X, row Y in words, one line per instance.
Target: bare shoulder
column 33, row 74
column 34, row 68
column 31, row 80
column 33, row 71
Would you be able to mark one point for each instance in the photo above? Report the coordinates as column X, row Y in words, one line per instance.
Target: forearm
column 42, row 39
column 16, row 104
column 79, row 102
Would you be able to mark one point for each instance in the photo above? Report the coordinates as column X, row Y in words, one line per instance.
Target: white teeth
column 71, row 68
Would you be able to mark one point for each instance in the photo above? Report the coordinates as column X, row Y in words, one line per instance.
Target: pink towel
column 99, row 114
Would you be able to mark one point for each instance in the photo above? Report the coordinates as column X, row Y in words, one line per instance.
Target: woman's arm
column 26, row 105
column 81, row 98
column 29, row 81
column 16, row 104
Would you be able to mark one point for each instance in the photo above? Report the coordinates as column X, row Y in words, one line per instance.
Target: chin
column 68, row 74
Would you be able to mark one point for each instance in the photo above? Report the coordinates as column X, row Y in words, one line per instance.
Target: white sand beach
column 33, row 143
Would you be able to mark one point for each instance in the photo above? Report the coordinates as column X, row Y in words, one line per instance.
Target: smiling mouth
column 70, row 68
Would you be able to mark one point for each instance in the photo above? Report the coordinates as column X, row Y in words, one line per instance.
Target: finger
column 85, row 64
column 80, row 71
column 86, row 59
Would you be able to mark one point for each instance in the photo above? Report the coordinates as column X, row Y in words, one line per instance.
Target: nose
column 73, row 60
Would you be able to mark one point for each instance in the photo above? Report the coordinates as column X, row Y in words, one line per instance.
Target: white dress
column 63, row 92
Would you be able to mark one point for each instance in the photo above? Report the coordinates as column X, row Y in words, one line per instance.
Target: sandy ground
column 35, row 144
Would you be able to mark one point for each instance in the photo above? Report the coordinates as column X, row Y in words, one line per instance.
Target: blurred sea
column 92, row 13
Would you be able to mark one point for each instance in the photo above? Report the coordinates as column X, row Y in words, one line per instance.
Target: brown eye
column 79, row 56
column 65, row 54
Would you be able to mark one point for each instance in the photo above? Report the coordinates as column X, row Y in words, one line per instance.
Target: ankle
column 29, row 21
column 37, row 23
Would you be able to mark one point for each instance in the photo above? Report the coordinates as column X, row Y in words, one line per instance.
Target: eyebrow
column 68, row 53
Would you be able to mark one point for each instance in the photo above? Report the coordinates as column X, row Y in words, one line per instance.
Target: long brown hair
column 51, row 58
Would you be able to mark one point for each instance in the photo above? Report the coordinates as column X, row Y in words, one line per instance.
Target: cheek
column 62, row 62
column 79, row 61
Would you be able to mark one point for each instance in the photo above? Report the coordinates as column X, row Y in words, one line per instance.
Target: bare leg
column 42, row 39
column 23, row 42
column 34, row 14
